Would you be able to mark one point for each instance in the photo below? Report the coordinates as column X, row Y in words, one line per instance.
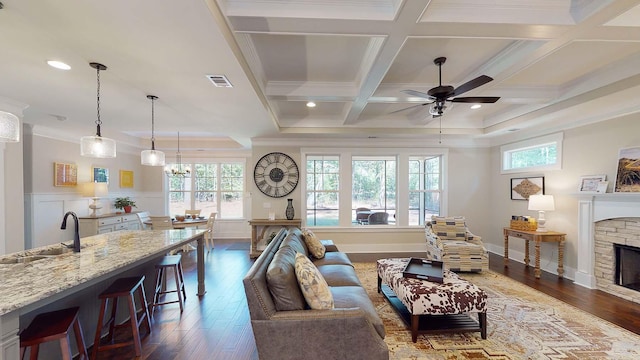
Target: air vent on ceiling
column 219, row 80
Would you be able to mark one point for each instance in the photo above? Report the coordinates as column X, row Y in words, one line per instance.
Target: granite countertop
column 27, row 282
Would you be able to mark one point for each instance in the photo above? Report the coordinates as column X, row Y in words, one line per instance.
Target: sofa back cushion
column 294, row 239
column 282, row 281
column 449, row 227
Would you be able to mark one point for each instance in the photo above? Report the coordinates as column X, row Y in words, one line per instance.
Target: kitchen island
column 53, row 276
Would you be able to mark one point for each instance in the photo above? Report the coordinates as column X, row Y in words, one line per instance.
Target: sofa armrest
column 324, row 334
column 329, row 245
column 474, row 239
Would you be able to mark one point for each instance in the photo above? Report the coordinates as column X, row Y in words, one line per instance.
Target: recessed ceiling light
column 476, row 106
column 58, row 65
column 311, row 104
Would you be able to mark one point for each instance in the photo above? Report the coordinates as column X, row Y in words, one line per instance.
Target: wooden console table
column 259, row 228
column 538, row 237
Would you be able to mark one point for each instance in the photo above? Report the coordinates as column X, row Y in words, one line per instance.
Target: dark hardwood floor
column 217, row 325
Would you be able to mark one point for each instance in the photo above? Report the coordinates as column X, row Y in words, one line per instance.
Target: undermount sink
column 21, row 259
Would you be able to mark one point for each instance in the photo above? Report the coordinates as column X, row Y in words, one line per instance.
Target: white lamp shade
column 97, row 147
column 9, row 127
column 100, row 190
column 541, row 203
column 152, row 158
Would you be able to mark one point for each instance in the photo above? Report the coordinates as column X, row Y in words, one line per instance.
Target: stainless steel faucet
column 76, row 237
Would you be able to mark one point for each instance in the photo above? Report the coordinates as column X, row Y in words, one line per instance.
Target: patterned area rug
column 523, row 323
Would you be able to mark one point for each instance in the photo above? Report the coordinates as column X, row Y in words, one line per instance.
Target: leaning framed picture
column 589, row 183
column 65, row 174
column 628, row 174
column 522, row 188
column 126, row 178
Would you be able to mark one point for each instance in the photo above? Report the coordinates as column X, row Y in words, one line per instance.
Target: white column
column 584, row 275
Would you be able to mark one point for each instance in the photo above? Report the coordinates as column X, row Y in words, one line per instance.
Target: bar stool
column 169, row 262
column 120, row 288
column 51, row 326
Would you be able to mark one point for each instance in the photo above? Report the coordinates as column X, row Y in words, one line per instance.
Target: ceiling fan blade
column 418, row 94
column 472, row 84
column 476, row 99
column 410, row 107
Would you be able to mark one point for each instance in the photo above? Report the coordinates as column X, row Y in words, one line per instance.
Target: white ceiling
column 555, row 63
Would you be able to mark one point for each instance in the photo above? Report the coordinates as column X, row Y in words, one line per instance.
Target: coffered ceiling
column 556, row 64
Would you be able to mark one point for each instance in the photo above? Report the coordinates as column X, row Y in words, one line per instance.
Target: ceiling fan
column 439, row 95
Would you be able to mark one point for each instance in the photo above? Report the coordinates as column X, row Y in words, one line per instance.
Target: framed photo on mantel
column 628, row 175
column 593, row 184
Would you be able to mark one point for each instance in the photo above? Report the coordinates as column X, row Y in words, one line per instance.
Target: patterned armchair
column 450, row 241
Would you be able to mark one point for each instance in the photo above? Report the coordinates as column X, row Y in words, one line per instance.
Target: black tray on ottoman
column 429, row 270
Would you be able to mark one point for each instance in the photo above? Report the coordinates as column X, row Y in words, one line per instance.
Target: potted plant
column 124, row 203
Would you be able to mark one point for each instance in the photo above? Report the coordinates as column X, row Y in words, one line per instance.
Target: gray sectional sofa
column 283, row 325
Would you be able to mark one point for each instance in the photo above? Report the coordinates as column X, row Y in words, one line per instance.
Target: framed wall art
column 65, row 174
column 589, row 183
column 628, row 174
column 126, row 178
column 522, row 188
column 100, row 175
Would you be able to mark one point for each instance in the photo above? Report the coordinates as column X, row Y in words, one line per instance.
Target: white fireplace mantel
column 591, row 209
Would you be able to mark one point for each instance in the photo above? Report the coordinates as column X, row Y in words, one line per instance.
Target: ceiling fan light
column 9, row 127
column 311, row 104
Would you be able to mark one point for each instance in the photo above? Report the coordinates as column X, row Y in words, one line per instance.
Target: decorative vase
column 290, row 212
column 127, row 209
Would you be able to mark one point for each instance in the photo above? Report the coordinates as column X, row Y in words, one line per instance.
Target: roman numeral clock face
column 276, row 175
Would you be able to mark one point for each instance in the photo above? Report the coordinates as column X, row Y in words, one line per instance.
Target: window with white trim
column 323, row 190
column 374, row 185
column 212, row 187
column 542, row 153
column 425, row 188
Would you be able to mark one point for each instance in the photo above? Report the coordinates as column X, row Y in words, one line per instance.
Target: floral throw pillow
column 314, row 287
column 316, row 249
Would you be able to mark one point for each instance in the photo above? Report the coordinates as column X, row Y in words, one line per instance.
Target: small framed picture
column 100, row 175
column 522, row 188
column 65, row 174
column 602, row 187
column 589, row 183
column 126, row 178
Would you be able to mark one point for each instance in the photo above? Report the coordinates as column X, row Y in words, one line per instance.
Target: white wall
column 588, row 150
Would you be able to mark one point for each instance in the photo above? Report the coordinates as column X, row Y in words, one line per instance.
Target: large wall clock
column 276, row 174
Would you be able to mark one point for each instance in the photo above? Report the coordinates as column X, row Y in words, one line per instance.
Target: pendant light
column 177, row 169
column 152, row 157
column 9, row 127
column 97, row 146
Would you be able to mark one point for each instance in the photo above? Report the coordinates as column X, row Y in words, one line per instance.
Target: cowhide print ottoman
column 429, row 307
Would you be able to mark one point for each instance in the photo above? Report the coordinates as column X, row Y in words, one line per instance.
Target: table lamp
column 541, row 203
column 96, row 191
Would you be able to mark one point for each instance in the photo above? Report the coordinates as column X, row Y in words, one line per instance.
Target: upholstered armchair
column 450, row 241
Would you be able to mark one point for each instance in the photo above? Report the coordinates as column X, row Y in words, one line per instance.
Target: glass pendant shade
column 97, row 146
column 9, row 127
column 152, row 158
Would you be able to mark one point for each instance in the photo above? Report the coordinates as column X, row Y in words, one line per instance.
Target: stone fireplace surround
column 605, row 219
